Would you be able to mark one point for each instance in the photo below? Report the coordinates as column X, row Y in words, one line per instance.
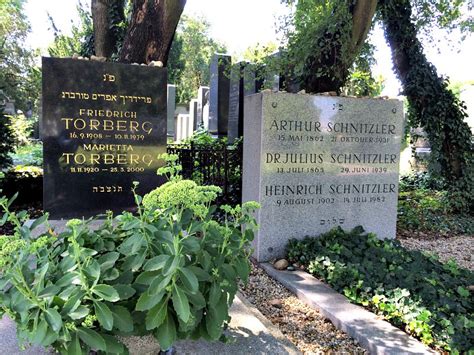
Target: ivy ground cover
column 412, row 290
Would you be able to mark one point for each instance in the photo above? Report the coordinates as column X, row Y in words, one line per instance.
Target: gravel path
column 459, row 248
column 304, row 326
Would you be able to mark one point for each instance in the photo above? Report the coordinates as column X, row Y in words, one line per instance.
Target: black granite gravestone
column 219, row 94
column 104, row 125
column 236, row 102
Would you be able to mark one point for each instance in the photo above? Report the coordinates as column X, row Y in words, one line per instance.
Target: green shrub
column 421, row 180
column 169, row 270
column 6, row 141
column 30, row 154
column 428, row 210
column 22, row 128
column 414, row 291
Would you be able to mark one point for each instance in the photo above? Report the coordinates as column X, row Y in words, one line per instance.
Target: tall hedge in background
column 6, row 140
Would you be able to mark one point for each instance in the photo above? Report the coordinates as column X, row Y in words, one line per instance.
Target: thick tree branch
column 151, row 30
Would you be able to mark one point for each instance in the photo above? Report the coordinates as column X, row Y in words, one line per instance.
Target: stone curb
column 374, row 334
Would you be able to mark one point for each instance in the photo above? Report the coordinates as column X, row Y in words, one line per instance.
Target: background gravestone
column 318, row 162
column 171, row 106
column 104, row 125
column 193, row 113
column 202, row 100
column 219, row 94
column 236, row 102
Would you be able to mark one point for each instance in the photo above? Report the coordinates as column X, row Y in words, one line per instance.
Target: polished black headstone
column 104, row 125
column 219, row 94
column 236, row 102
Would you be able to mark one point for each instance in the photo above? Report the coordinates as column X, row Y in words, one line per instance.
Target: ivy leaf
column 180, row 304
column 91, row 338
column 463, row 292
column 104, row 315
column 107, row 292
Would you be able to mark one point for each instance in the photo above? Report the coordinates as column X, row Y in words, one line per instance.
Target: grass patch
column 413, row 291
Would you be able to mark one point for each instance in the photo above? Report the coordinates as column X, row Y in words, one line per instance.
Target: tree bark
column 103, row 37
column 432, row 105
column 362, row 14
column 151, row 31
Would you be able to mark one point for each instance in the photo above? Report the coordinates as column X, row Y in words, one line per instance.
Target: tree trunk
column 103, row 37
column 339, row 60
column 432, row 106
column 151, row 31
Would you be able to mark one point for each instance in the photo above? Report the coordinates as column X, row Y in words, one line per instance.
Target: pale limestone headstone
column 184, row 127
column 319, row 162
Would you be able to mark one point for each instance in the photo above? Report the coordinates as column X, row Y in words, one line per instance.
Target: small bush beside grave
column 169, row 270
column 412, row 290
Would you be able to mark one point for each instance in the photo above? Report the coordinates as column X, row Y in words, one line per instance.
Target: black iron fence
column 215, row 165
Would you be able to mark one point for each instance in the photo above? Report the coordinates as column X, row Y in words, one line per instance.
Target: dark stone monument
column 219, row 94
column 236, row 102
column 104, row 125
column 193, row 114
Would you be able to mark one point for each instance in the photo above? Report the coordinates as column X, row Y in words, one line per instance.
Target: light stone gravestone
column 183, row 127
column 170, row 108
column 319, row 162
column 203, row 97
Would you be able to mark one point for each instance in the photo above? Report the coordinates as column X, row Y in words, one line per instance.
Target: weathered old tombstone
column 219, row 94
column 203, row 97
column 236, row 102
column 171, row 107
column 104, row 125
column 319, row 162
column 193, row 114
